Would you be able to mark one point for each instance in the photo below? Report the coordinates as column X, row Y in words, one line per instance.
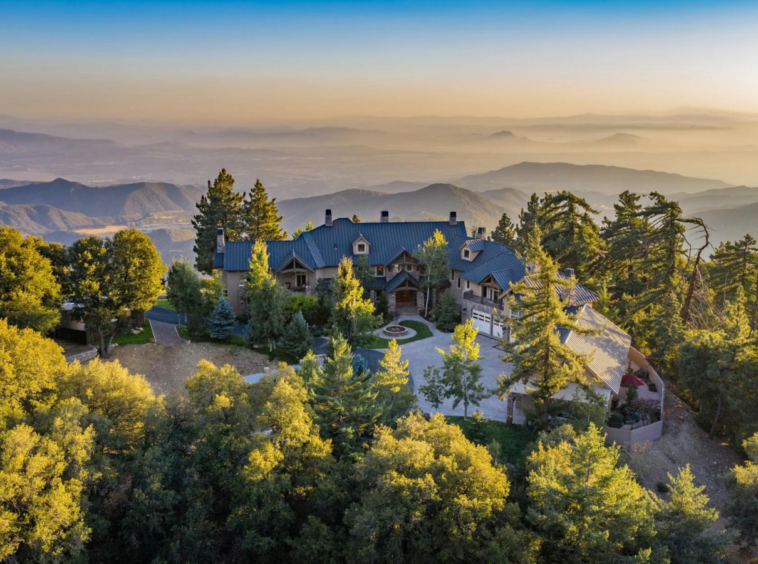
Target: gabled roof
column 476, row 245
column 609, row 351
column 399, row 279
column 289, row 258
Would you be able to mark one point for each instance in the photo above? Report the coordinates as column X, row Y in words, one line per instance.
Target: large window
column 379, row 270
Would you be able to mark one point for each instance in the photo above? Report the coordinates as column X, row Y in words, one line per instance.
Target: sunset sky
column 229, row 61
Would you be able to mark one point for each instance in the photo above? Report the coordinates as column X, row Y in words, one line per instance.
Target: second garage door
column 482, row 321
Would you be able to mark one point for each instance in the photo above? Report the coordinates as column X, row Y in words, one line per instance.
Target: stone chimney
column 385, row 218
column 328, row 218
column 570, row 272
column 453, row 218
column 481, row 233
column 220, row 241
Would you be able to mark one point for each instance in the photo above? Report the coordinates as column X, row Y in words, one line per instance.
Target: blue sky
column 215, row 60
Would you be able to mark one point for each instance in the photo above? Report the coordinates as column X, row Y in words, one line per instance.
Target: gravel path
column 165, row 333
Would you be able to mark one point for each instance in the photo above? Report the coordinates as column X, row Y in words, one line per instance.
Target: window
column 459, row 283
column 408, row 267
column 301, row 280
column 452, row 275
column 361, row 248
column 466, row 253
column 378, row 270
column 468, row 284
column 397, row 268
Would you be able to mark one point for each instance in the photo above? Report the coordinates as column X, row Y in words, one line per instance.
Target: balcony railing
column 470, row 296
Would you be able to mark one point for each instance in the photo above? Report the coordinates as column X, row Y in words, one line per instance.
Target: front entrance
column 405, row 297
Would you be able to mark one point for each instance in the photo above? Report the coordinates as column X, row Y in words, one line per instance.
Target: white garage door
column 481, row 321
column 497, row 329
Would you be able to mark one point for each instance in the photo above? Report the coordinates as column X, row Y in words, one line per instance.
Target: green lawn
column 422, row 332
column 513, row 439
column 131, row 339
column 238, row 341
column 165, row 304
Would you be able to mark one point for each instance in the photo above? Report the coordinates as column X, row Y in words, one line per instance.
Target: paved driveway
column 165, row 332
column 421, row 354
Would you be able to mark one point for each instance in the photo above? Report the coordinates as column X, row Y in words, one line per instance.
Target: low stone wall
column 83, row 357
column 629, row 437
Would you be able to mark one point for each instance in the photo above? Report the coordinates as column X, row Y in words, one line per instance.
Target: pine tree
column 570, row 234
column 541, row 361
column 626, row 237
column 529, row 220
column 222, row 321
column 266, row 299
column 736, row 265
column 684, row 520
column 505, row 232
column 669, row 333
column 221, row 206
column 587, row 508
column 262, row 221
column 391, row 383
column 742, row 485
column 183, row 289
column 298, row 231
column 446, row 316
column 352, row 315
column 345, row 405
column 718, row 365
column 297, row 339
column 433, row 255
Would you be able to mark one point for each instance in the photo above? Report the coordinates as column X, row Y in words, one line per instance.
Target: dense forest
column 334, row 463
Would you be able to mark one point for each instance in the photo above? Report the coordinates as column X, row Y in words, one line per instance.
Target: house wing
column 608, row 351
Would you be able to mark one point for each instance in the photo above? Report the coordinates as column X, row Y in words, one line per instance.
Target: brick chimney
column 328, row 218
column 220, row 241
column 481, row 233
column 385, row 218
column 453, row 218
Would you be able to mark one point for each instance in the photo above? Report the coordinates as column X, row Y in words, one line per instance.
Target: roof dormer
column 471, row 249
column 361, row 245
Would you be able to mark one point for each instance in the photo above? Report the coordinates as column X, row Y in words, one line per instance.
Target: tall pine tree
column 221, row 206
column 262, row 221
column 505, row 232
column 541, row 361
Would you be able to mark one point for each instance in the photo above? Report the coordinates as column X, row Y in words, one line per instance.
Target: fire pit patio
column 395, row 331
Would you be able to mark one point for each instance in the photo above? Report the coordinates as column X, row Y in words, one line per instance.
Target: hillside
column 432, row 202
column 731, row 224
column 40, row 219
column 717, row 199
column 542, row 177
column 125, row 201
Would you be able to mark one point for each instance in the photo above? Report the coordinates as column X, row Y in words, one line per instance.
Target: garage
column 497, row 330
column 482, row 321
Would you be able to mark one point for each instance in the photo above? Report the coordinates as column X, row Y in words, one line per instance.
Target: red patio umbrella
column 631, row 379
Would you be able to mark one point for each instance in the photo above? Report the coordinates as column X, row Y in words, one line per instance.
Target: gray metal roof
column 608, row 351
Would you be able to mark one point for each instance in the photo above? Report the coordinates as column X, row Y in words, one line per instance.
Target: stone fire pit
column 395, row 331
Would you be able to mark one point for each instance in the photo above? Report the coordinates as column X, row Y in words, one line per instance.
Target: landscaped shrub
column 446, row 313
column 616, row 420
column 305, row 304
column 382, row 307
column 222, row 321
column 297, row 338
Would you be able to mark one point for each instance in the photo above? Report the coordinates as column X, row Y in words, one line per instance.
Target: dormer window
column 466, row 254
column 361, row 246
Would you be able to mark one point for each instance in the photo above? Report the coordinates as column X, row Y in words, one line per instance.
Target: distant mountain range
column 432, row 202
column 542, row 177
column 58, row 209
column 128, row 202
